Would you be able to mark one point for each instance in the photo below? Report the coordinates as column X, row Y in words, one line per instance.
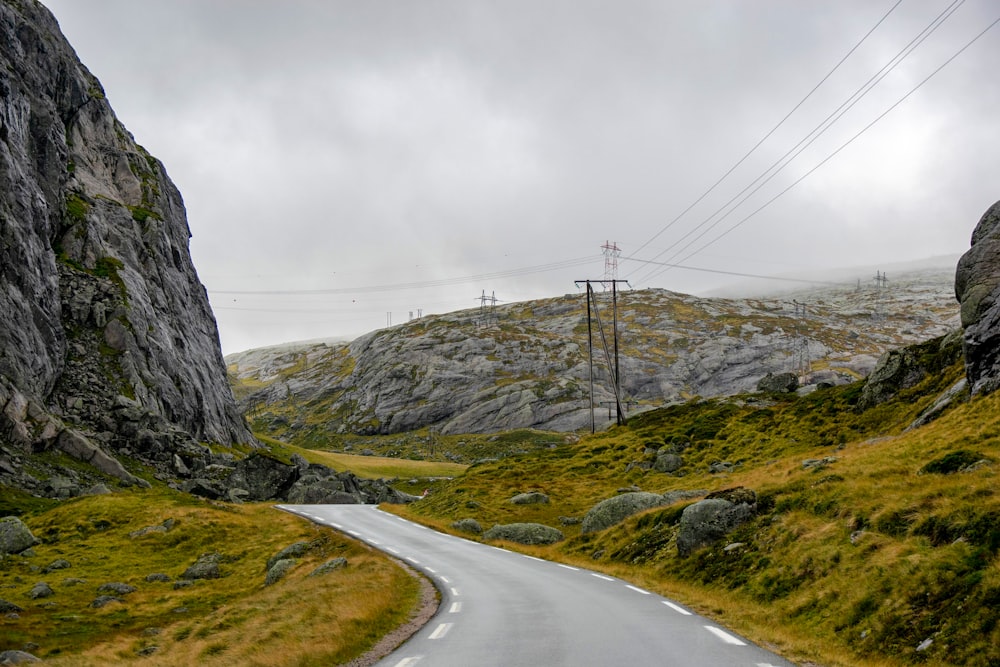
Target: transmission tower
column 594, row 314
column 611, row 254
column 487, row 315
column 881, row 288
column 803, row 364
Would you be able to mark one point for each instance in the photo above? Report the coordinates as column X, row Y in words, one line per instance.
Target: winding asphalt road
column 507, row 609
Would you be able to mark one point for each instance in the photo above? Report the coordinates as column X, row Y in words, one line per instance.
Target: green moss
column 77, row 207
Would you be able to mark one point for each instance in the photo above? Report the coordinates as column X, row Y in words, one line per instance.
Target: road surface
column 505, row 609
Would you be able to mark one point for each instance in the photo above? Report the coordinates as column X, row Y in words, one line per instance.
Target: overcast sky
column 407, row 156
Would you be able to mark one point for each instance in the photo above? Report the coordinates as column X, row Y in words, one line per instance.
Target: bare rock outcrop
column 108, row 345
column 977, row 287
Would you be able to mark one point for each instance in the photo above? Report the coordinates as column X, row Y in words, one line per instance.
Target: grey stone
column 468, row 526
column 707, row 521
column 58, row 564
column 977, row 287
column 295, row 550
column 780, row 383
column 17, row 658
column 278, row 571
column 9, row 608
column 15, row 536
column 667, row 462
column 206, row 567
column 530, row 498
column 40, row 590
column 116, row 587
column 329, row 566
column 615, row 510
column 104, row 600
column 525, row 533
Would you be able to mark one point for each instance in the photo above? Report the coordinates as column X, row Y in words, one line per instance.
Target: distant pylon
column 611, row 254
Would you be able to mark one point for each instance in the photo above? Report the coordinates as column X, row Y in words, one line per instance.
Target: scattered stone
column 206, row 567
column 183, row 583
column 116, row 587
column 40, row 590
column 708, row 521
column 15, row 536
column 58, row 564
column 277, row 571
column 924, row 645
column 157, row 577
column 296, row 550
column 9, row 608
column 104, row 600
column 329, row 566
column 468, row 526
column 16, row 658
column 721, row 467
column 570, row 520
column 816, row 464
column 667, row 462
column 615, row 510
column 525, row 533
column 149, row 650
column 73, row 581
column 778, row 383
column 152, row 632
column 530, row 498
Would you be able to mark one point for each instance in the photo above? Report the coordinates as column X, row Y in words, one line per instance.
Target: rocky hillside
column 109, row 351
column 527, row 367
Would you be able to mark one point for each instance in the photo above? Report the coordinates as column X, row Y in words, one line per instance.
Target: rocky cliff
column 528, row 366
column 108, row 346
column 977, row 287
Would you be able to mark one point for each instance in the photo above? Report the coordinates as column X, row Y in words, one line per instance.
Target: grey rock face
column 15, row 537
column 977, row 287
column 107, row 330
column 531, row 369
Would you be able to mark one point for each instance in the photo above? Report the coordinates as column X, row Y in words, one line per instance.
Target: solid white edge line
column 677, row 608
column 637, row 590
column 440, row 631
column 725, row 636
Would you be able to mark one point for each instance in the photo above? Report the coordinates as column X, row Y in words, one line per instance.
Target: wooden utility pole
column 613, row 369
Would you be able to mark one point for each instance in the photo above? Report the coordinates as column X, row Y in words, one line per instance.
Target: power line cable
column 846, row 143
column 553, row 266
column 772, row 131
column 786, row 159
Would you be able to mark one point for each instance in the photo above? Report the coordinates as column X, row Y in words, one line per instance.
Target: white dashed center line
column 575, row 569
column 455, row 608
column 408, row 662
column 601, row 576
column 637, row 590
column 440, row 631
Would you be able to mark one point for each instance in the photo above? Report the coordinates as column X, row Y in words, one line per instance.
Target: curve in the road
column 500, row 607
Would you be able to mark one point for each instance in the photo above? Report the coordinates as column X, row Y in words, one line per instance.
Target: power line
column 554, row 266
column 740, row 274
column 773, row 129
column 846, row 143
column 804, row 143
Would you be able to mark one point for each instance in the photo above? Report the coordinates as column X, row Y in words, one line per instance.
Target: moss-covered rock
column 525, row 533
column 614, row 510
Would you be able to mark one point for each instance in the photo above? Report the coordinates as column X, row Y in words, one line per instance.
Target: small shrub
column 952, row 462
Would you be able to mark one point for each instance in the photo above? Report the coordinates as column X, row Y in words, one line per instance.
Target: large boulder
column 15, row 537
column 615, row 510
column 977, row 287
column 905, row 367
column 778, row 383
column 525, row 533
column 707, row 521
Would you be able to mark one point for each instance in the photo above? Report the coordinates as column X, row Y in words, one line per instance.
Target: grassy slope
column 319, row 621
column 854, row 563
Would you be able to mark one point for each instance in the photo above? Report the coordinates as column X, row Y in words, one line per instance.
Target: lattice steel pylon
column 611, row 254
